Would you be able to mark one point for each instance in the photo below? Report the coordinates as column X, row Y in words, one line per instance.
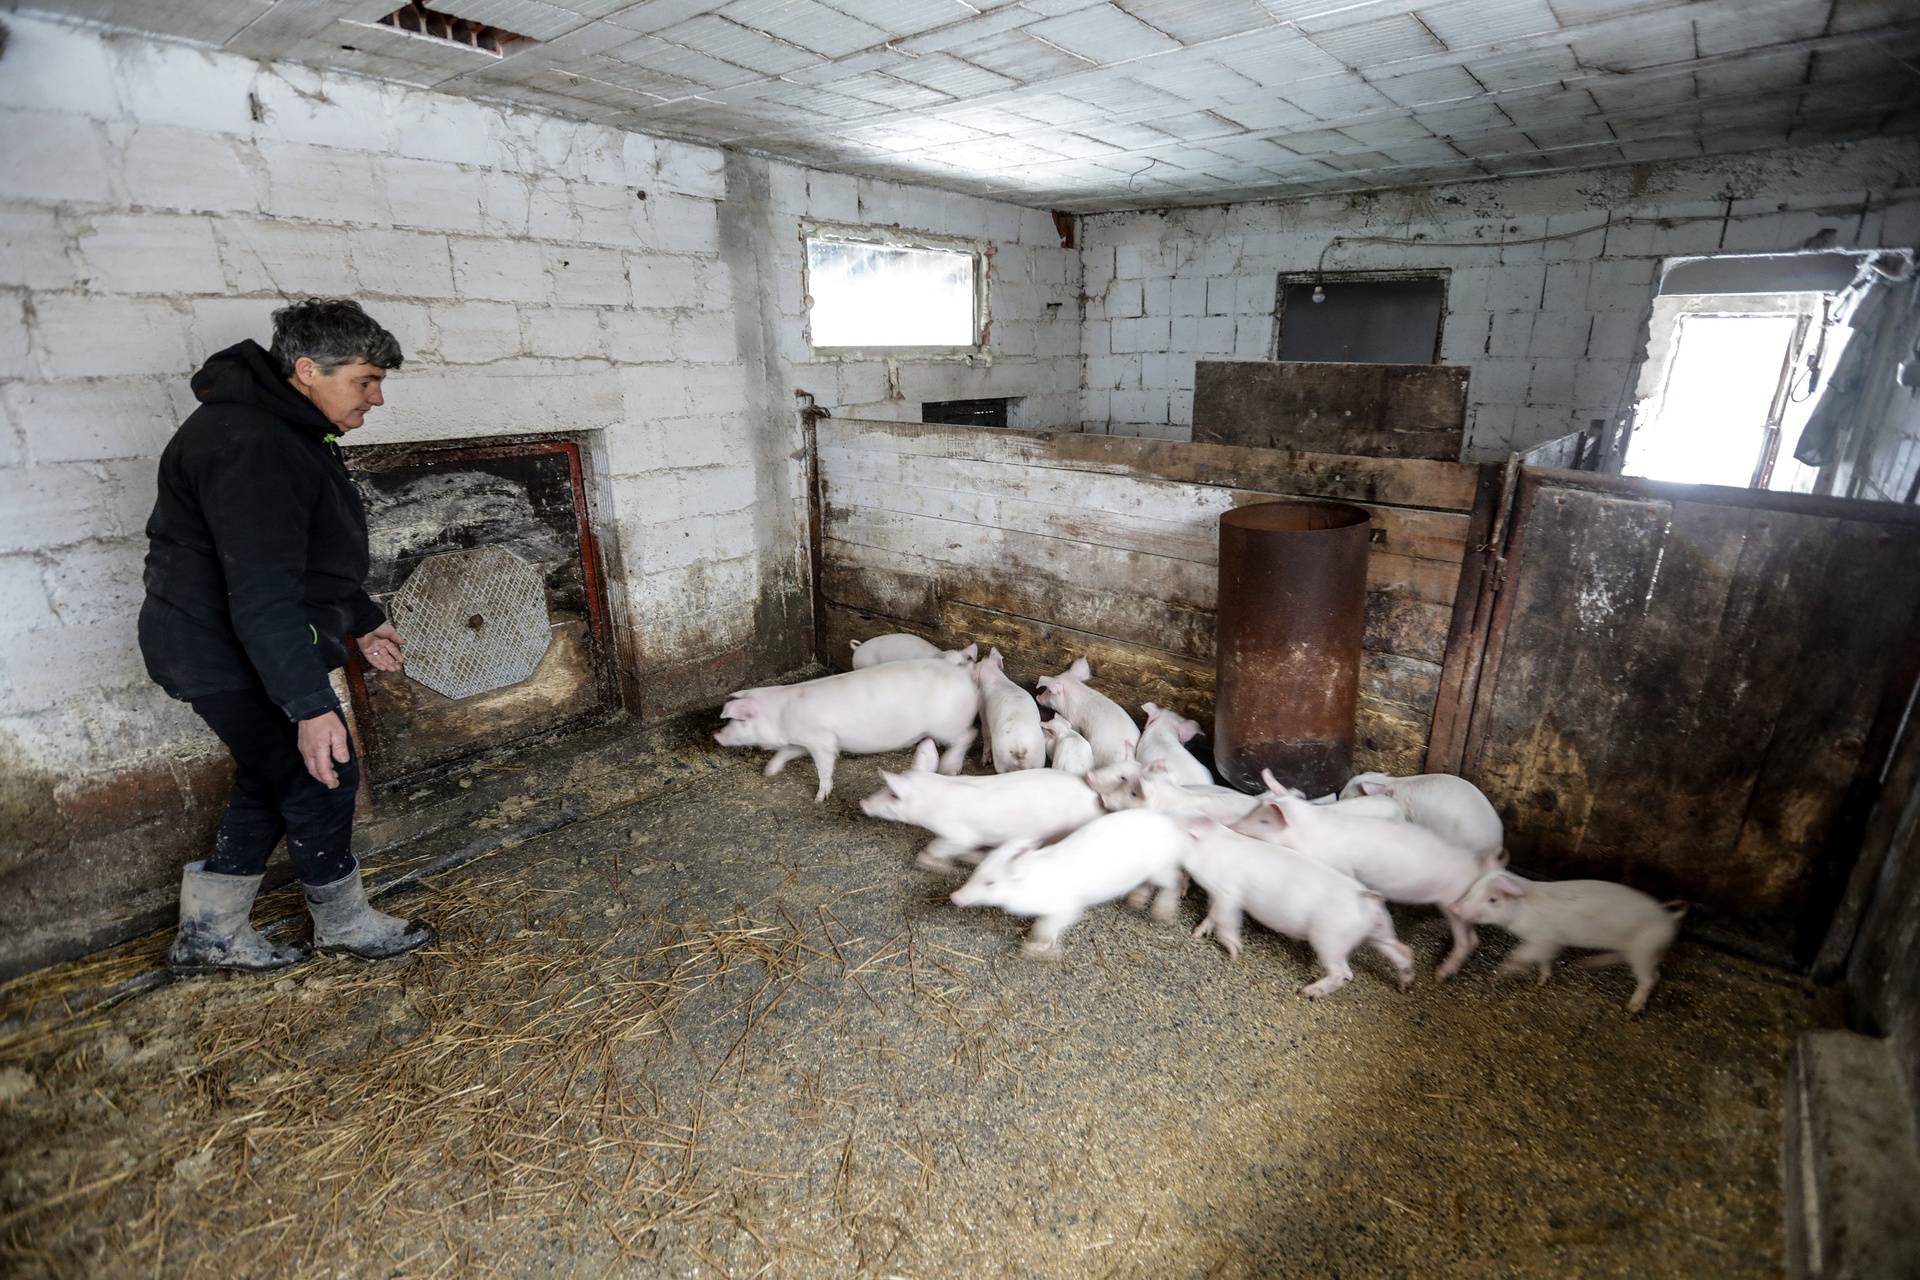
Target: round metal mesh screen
column 472, row 621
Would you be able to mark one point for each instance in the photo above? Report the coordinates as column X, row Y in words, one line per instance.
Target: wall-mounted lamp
column 1319, row 293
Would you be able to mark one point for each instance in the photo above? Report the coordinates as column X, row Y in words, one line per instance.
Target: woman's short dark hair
column 331, row 332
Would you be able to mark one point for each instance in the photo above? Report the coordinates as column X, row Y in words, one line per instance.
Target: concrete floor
column 725, row 1031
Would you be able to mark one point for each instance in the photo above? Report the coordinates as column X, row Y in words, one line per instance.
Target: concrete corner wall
column 158, row 201
column 1550, row 280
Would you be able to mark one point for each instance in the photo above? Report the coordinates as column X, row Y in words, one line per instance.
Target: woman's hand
column 323, row 744
column 381, row 647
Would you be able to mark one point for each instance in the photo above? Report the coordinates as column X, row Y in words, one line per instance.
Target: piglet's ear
column 891, row 781
column 1048, row 683
column 1080, row 670
column 926, row 755
column 1151, row 710
column 740, row 709
column 1495, row 860
column 1187, row 730
column 1509, row 886
column 1020, row 849
column 1158, row 766
column 1273, row 804
column 971, row 652
column 1373, row 788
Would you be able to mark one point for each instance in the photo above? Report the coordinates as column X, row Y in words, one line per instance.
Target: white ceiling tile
column 1103, row 35
column 1483, row 23
column 1121, row 103
column 807, row 23
column 1196, row 21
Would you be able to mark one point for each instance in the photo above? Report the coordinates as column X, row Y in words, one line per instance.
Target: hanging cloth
column 1860, row 305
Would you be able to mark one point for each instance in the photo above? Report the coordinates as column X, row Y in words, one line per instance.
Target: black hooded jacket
column 257, row 546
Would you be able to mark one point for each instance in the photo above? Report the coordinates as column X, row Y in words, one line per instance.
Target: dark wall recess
column 1368, row 319
column 991, row 412
column 528, row 496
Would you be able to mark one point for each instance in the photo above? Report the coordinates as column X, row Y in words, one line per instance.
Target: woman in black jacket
column 257, row 552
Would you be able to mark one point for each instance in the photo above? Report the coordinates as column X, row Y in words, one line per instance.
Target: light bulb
column 1319, row 293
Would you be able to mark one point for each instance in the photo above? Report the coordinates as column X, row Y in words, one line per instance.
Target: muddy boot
column 343, row 923
column 214, row 930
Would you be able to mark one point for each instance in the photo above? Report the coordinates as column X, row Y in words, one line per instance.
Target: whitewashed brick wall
column 1033, row 287
column 147, row 219
column 1553, row 329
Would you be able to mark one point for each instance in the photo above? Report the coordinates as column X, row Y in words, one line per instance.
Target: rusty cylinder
column 1290, row 611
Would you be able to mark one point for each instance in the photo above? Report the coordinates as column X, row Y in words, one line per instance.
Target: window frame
column 895, row 237
column 1443, row 274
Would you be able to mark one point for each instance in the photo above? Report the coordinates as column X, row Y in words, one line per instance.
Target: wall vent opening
column 968, row 413
column 418, row 20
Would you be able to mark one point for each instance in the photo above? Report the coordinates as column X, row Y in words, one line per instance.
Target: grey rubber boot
column 343, row 923
column 215, row 933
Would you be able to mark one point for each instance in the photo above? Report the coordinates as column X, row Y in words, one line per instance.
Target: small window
column 869, row 293
column 1394, row 320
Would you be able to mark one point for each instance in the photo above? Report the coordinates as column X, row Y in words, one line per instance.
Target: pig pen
column 713, row 1028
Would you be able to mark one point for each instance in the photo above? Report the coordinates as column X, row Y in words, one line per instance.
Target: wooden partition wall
column 1051, row 546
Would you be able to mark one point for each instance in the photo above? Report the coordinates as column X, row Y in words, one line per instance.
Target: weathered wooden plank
column 984, row 550
column 1387, row 738
column 1401, row 625
column 910, row 597
column 863, row 578
column 1392, row 481
column 1375, row 410
column 1851, row 630
column 1583, row 573
column 1127, row 673
column 1161, row 517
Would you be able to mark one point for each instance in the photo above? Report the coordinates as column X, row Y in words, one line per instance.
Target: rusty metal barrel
column 1290, row 611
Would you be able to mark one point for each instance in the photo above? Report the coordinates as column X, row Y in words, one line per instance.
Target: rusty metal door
column 484, row 557
column 1696, row 690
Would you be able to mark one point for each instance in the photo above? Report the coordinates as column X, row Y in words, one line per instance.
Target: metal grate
column 473, row 621
column 417, row 19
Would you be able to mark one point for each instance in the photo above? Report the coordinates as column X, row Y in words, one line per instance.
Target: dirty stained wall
column 1549, row 279
column 158, row 201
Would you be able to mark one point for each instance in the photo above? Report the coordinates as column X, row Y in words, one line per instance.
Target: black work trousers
column 274, row 795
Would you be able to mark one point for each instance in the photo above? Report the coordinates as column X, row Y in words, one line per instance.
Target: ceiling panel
column 1102, row 104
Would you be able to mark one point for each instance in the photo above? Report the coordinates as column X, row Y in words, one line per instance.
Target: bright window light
column 1711, row 422
column 887, row 295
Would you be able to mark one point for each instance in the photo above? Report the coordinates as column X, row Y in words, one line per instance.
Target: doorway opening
column 1737, row 352
column 1739, row 379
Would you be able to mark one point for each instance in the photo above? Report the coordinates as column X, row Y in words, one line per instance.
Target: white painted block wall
column 157, row 202
column 1550, row 279
column 1033, row 290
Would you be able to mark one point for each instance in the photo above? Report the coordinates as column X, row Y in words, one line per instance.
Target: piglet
column 903, row 646
column 1291, row 894
column 1400, row 861
column 966, row 814
column 1009, row 720
column 1109, row 730
column 1108, row 858
column 1131, row 785
column 1067, row 751
column 1450, row 807
column 887, row 707
column 1165, row 738
column 1626, row 926
column 1359, row 806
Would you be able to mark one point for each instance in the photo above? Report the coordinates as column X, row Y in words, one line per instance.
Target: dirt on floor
column 727, row 1031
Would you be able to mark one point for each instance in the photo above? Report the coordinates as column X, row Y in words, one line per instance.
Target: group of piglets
column 1088, row 807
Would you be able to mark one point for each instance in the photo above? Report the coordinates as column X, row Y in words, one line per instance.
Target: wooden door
column 1695, row 689
column 529, row 497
